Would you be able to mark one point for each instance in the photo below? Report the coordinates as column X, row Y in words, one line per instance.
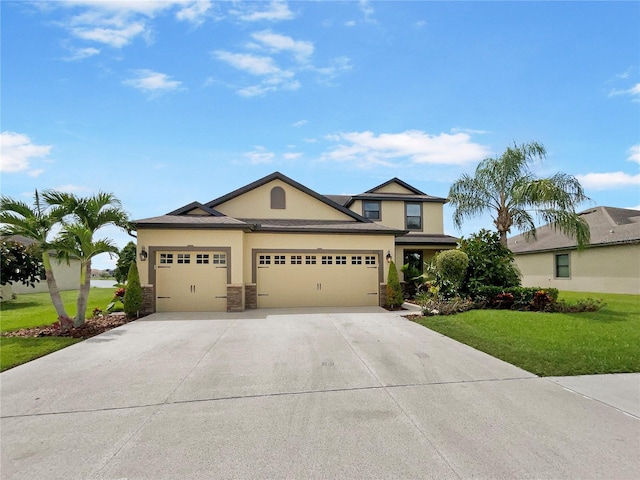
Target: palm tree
column 35, row 223
column 84, row 216
column 507, row 187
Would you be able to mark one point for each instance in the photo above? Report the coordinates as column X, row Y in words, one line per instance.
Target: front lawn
column 554, row 343
column 34, row 310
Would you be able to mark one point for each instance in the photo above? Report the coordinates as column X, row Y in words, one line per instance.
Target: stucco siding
column 67, row 278
column 256, row 203
column 612, row 269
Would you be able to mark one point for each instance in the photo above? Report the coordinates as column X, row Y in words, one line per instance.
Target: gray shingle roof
column 425, row 239
column 607, row 226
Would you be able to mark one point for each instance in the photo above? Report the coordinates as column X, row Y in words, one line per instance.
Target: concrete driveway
column 355, row 393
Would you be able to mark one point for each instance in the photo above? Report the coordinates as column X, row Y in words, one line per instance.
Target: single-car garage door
column 317, row 279
column 188, row 281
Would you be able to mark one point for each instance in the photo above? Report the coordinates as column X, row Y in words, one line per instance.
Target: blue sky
column 167, row 102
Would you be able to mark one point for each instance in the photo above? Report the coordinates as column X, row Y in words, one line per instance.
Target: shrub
column 438, row 306
column 450, row 269
column 582, row 305
column 490, row 262
column 394, row 291
column 133, row 293
column 516, row 298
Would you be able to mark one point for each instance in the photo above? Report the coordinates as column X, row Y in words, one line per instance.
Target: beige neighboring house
column 610, row 264
column 276, row 243
column 67, row 275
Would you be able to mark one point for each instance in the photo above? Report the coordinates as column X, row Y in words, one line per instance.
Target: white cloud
column 260, row 155
column 365, row 148
column 114, row 37
column 469, row 131
column 634, row 154
column 608, row 181
column 17, row 150
column 337, row 67
column 152, row 82
column 292, row 155
column 82, row 53
column 300, row 49
column 299, row 123
column 366, row 9
column 195, row 12
column 71, row 188
column 634, row 92
column 276, row 10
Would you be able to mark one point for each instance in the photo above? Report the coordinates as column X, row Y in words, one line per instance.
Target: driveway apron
column 309, row 393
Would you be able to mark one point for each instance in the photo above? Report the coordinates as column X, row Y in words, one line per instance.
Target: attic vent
column 278, row 198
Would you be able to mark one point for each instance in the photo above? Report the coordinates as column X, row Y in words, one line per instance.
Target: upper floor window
column 278, row 198
column 562, row 266
column 413, row 212
column 371, row 210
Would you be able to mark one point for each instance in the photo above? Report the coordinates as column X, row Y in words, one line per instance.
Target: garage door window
column 184, row 258
column 166, row 258
column 310, row 260
column 279, row 260
column 202, row 258
column 296, row 259
column 327, row 259
column 356, row 260
column 219, row 258
column 265, row 260
column 370, row 260
column 341, row 260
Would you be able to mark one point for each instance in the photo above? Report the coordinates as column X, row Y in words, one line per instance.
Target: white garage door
column 312, row 279
column 191, row 281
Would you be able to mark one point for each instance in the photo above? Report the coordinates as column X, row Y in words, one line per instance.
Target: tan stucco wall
column 67, row 278
column 394, row 188
column 384, row 243
column 154, row 238
column 393, row 215
column 257, row 204
column 614, row 269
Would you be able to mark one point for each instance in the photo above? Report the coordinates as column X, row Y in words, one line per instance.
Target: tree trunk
column 83, row 295
column 54, row 292
column 503, row 237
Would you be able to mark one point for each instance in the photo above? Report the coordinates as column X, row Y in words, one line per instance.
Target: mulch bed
column 91, row 328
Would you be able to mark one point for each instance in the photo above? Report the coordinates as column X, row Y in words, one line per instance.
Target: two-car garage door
column 312, row 279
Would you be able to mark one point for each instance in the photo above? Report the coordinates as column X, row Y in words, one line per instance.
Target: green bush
column 394, row 291
column 450, row 269
column 490, row 262
column 515, row 298
column 133, row 294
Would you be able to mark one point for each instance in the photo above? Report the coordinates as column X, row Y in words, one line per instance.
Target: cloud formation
column 260, row 155
column 300, row 49
column 16, row 152
column 275, row 11
column 607, row 181
column 634, row 153
column 633, row 92
column 152, row 82
column 367, row 149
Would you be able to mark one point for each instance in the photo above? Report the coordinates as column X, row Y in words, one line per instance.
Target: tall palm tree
column 84, row 216
column 36, row 223
column 506, row 187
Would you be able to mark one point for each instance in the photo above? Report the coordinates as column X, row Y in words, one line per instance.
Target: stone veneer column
column 148, row 305
column 383, row 295
column 251, row 296
column 234, row 298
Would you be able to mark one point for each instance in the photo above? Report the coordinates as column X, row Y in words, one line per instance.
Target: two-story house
column 276, row 243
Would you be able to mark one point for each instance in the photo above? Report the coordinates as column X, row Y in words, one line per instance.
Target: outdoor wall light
column 143, row 255
column 388, row 256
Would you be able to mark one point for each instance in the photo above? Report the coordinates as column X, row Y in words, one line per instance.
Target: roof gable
column 395, row 185
column 196, row 208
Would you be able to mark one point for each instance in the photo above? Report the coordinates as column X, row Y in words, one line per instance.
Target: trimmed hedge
column 515, row 298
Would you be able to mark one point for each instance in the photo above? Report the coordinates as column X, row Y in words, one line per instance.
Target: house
column 67, row 275
column 276, row 243
column 610, row 264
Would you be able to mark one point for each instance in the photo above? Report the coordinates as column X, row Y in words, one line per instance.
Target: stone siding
column 148, row 297
column 383, row 295
column 251, row 296
column 234, row 298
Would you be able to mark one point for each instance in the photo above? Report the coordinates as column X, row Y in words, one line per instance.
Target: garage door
column 191, row 281
column 312, row 280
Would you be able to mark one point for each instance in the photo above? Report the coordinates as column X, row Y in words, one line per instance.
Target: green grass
column 35, row 310
column 554, row 343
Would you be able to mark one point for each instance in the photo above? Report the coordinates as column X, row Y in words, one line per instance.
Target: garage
column 316, row 279
column 191, row 281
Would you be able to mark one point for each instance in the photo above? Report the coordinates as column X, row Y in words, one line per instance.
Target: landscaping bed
column 91, row 328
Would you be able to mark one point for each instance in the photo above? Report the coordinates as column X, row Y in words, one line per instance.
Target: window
column 279, row 260
column 327, row 260
column 278, row 199
column 166, row 258
column 562, row 266
column 414, row 216
column 369, row 260
column 264, row 260
column 296, row 259
column 341, row 260
column 219, row 258
column 371, row 210
column 415, row 260
column 202, row 258
column 310, row 260
column 184, row 258
column 356, row 260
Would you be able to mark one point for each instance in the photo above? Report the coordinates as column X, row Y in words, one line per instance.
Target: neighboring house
column 67, row 275
column 277, row 243
column 610, row 264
